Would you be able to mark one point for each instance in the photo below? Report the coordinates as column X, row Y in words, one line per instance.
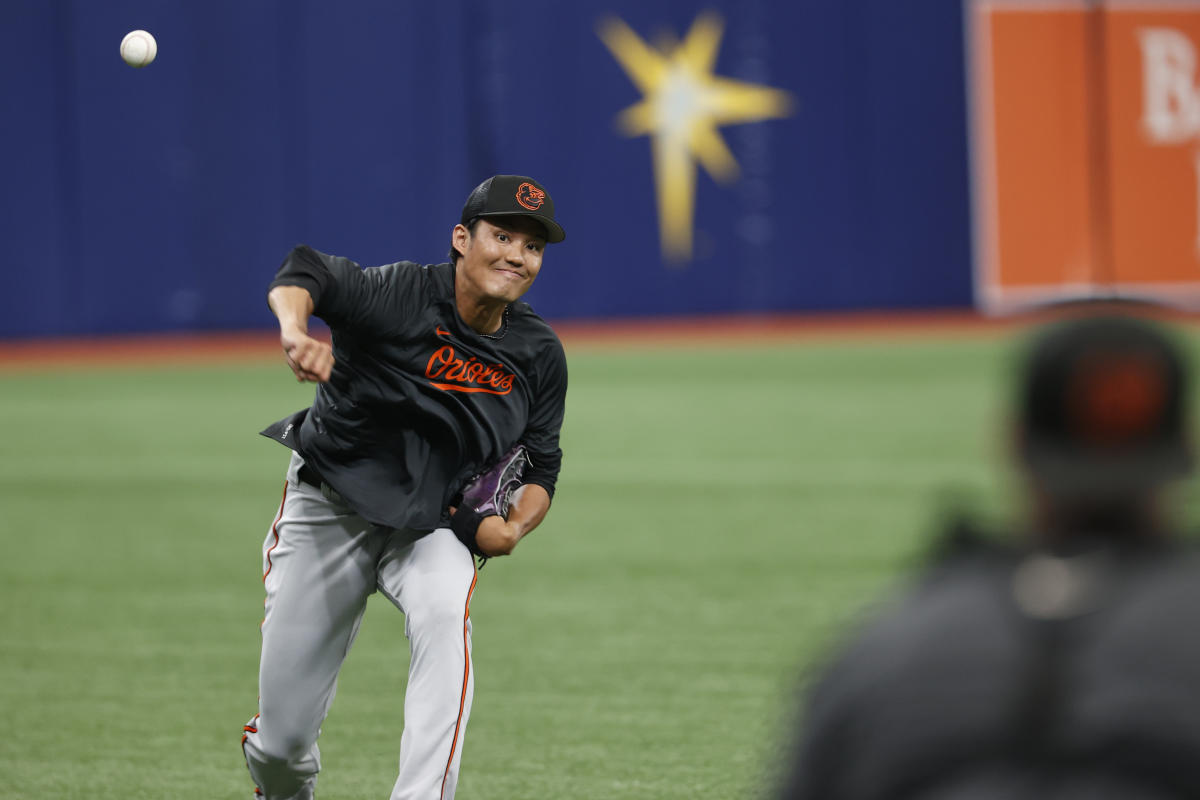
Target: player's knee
column 281, row 748
column 292, row 751
column 437, row 602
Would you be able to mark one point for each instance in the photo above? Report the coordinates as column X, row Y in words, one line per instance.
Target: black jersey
column 1001, row 672
column 418, row 401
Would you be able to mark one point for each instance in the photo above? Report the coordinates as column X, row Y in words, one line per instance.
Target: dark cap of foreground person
column 1101, row 406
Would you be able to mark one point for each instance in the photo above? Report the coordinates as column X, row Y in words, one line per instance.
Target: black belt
column 307, row 474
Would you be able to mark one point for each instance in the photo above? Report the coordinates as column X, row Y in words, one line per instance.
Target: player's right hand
column 310, row 359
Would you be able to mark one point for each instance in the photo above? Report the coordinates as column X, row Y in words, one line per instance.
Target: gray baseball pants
column 321, row 561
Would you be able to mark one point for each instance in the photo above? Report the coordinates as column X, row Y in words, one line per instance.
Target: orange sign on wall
column 1086, row 150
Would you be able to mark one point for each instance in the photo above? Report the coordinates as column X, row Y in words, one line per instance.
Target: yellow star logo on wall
column 683, row 105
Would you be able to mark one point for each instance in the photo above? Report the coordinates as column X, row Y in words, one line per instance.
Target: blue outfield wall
column 163, row 198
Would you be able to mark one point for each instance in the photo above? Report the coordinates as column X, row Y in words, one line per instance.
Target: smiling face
column 499, row 260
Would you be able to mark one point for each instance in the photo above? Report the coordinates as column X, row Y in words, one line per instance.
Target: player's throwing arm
column 310, row 359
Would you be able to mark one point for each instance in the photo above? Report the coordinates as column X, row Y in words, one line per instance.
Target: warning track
column 709, row 331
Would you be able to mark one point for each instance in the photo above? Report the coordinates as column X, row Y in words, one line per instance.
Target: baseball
column 138, row 48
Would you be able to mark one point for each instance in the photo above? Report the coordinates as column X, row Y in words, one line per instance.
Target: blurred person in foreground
column 1062, row 662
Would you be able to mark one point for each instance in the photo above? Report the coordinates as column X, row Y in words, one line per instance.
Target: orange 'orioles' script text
column 466, row 375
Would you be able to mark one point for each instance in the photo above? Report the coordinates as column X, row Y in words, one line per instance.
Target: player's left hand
column 481, row 520
column 496, row 536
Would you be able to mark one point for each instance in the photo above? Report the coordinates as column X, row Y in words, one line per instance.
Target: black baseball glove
column 488, row 494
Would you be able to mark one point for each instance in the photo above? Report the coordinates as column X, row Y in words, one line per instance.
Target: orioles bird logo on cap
column 1118, row 398
column 530, row 196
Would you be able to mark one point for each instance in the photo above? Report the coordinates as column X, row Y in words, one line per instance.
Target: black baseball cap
column 1102, row 403
column 513, row 195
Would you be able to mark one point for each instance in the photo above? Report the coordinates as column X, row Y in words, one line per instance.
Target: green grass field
column 721, row 515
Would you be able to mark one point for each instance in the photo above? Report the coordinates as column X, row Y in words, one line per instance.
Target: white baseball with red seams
column 138, row 48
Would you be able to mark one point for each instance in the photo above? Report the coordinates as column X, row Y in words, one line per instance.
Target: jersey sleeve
column 375, row 300
column 545, row 421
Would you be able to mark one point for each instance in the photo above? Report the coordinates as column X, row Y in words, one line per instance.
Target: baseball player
column 436, row 375
column 1061, row 664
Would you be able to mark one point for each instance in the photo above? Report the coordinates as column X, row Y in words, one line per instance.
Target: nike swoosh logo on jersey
column 440, row 331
